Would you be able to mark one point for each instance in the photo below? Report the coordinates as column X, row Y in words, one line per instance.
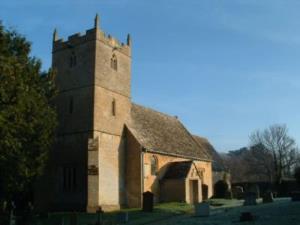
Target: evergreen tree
column 27, row 119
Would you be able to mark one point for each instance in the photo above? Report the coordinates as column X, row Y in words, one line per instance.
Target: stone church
column 109, row 150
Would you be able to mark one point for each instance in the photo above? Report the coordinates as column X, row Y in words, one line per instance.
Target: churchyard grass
column 136, row 216
column 281, row 212
column 223, row 212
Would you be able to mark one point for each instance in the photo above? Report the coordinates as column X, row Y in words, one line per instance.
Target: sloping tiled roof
column 217, row 164
column 161, row 133
column 177, row 170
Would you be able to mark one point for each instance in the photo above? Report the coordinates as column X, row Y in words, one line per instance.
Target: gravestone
column 228, row 194
column 202, row 209
column 148, row 201
column 99, row 213
column 12, row 219
column 254, row 188
column 268, row 197
column 238, row 192
column 123, row 217
column 73, row 219
column 250, row 198
column 295, row 196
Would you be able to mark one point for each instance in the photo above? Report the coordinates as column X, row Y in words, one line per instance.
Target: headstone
column 246, row 216
column 148, row 201
column 254, row 188
column 250, row 198
column 4, row 207
column 99, row 215
column 73, row 219
column 123, row 217
column 228, row 194
column 238, row 192
column 268, row 197
column 202, row 209
column 12, row 219
column 295, row 196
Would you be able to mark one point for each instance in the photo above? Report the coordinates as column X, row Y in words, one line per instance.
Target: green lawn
column 281, row 212
column 223, row 212
column 136, row 216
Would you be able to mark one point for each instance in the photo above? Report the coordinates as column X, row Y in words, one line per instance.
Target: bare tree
column 281, row 146
column 260, row 163
column 237, row 165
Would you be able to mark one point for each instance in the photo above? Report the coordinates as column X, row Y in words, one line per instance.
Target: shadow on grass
column 136, row 216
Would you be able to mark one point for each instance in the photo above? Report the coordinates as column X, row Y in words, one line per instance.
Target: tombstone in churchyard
column 27, row 214
column 228, row 194
column 268, row 197
column 123, row 217
column 148, row 201
column 254, row 188
column 73, row 218
column 250, row 198
column 295, row 196
column 4, row 207
column 99, row 216
column 12, row 218
column 238, row 192
column 246, row 216
column 202, row 209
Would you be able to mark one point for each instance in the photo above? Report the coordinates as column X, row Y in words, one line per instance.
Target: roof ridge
column 204, row 138
column 207, row 154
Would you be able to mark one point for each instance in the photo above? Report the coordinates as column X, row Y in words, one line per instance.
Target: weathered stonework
column 97, row 159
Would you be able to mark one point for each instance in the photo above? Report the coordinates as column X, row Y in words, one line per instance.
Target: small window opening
column 114, row 62
column 113, row 107
column 69, row 178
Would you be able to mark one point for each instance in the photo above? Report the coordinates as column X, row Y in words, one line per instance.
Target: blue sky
column 224, row 67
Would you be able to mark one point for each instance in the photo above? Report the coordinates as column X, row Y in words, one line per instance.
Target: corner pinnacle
column 55, row 35
column 96, row 22
column 128, row 40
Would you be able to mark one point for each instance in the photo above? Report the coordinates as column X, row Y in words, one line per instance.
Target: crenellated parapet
column 91, row 35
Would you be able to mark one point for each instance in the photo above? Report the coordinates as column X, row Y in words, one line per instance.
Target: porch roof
column 178, row 170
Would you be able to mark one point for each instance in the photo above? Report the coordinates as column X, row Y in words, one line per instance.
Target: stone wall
column 173, row 190
column 69, row 151
column 93, row 104
column 152, row 182
column 207, row 175
column 111, row 109
column 133, row 171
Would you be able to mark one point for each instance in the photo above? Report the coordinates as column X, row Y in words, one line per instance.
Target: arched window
column 114, row 62
column 154, row 165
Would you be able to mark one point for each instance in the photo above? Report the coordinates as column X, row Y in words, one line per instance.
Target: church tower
column 94, row 100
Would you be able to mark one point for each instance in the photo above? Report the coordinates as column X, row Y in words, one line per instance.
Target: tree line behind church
column 272, row 158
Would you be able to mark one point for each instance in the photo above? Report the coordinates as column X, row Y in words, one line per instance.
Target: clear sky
column 224, row 67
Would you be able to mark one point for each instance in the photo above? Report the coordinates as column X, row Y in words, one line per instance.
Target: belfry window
column 114, row 62
column 73, row 60
column 154, row 165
